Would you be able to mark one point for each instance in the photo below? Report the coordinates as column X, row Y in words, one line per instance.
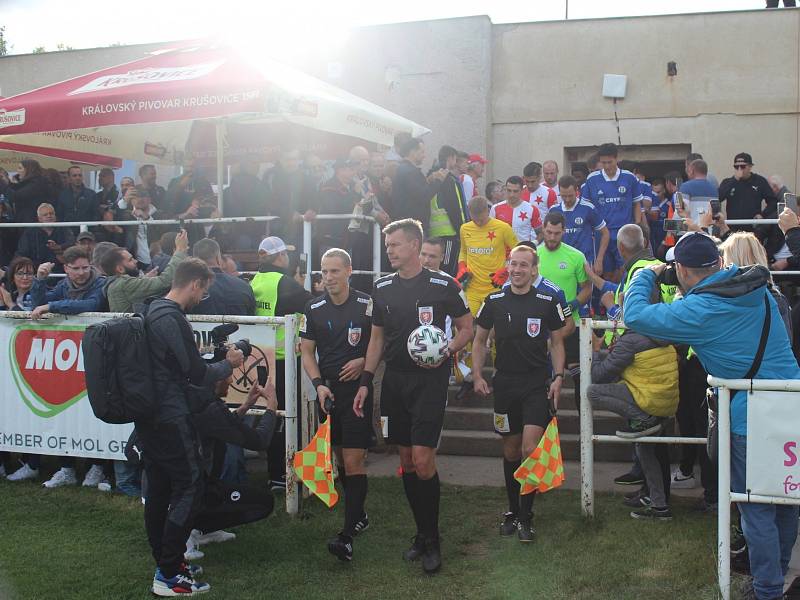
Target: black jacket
column 335, row 199
column 292, row 296
column 412, row 194
column 449, row 198
column 286, row 194
column 33, row 244
column 228, row 295
column 744, row 198
column 77, row 208
column 27, row 195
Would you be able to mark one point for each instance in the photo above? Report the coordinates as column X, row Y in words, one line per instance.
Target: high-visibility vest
column 440, row 225
column 265, row 290
column 667, row 291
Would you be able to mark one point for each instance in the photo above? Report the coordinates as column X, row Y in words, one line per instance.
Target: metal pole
column 587, row 449
column 724, row 493
column 307, row 252
column 220, row 130
column 290, row 370
column 376, row 250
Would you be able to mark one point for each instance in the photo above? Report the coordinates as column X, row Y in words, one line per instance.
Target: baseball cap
column 476, row 158
column 695, row 250
column 743, row 157
column 274, row 245
column 86, row 235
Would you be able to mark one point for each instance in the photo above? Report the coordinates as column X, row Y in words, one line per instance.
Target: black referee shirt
column 402, row 305
column 341, row 332
column 522, row 324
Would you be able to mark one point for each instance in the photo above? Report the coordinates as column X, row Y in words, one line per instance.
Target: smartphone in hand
column 262, row 372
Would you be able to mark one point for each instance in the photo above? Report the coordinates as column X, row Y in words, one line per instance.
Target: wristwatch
column 555, row 375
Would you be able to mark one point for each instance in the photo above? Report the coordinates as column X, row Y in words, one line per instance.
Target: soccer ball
column 426, row 345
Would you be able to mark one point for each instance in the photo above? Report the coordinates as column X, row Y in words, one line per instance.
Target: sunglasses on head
column 737, row 167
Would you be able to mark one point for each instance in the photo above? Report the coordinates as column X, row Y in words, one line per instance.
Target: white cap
column 274, row 245
column 670, row 256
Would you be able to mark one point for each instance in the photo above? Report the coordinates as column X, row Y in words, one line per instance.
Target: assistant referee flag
column 314, row 468
column 543, row 470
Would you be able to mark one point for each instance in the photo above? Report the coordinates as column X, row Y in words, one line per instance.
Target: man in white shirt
column 469, row 181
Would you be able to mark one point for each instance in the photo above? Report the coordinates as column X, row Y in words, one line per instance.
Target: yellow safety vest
column 440, row 225
column 265, row 290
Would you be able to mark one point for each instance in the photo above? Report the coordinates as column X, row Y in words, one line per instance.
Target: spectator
column 316, row 171
column 166, row 244
column 112, row 233
column 580, row 172
column 645, row 186
column 244, row 197
column 462, row 160
column 495, row 192
column 520, row 214
column 108, row 195
column 617, row 195
column 277, row 294
column 337, row 197
column 229, row 265
column 5, row 181
column 469, row 181
column 125, row 288
column 87, row 241
column 535, row 192
column 290, row 196
column 29, row 192
column 182, row 192
column 228, row 295
column 100, row 250
column 147, row 182
column 638, row 379
column 698, row 189
column 778, row 187
column 722, row 316
column 447, row 210
column 485, row 244
column 393, row 155
column 746, row 195
column 76, row 203
column 584, row 228
column 46, row 244
column 377, row 168
column 690, row 158
column 412, row 191
column 139, row 238
column 15, row 291
column 125, row 184
column 661, row 207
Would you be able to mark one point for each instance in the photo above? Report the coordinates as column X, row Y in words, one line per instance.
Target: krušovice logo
column 150, row 75
column 12, row 118
column 47, row 367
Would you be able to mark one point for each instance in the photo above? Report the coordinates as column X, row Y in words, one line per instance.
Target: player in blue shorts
column 617, row 195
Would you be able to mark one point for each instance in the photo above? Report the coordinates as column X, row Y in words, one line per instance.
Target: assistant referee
column 523, row 318
column 336, row 326
column 414, row 398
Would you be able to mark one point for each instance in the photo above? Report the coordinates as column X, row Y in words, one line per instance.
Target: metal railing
column 726, row 496
column 588, row 438
column 137, row 222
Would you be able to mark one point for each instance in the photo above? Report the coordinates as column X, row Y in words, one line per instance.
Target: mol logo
column 47, row 366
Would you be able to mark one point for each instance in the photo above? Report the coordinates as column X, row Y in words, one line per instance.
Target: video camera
column 669, row 276
column 219, row 341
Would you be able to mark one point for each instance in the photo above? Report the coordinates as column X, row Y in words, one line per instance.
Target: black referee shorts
column 414, row 403
column 350, row 430
column 520, row 399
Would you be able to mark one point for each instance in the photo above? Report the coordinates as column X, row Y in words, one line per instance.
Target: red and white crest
column 354, row 336
column 534, row 326
column 425, row 315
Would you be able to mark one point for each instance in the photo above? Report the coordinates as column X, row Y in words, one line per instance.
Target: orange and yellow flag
column 543, row 470
column 314, row 468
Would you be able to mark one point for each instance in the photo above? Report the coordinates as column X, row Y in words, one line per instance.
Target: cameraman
column 172, row 463
column 722, row 315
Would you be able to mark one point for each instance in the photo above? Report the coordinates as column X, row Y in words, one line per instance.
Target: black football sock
column 512, row 485
column 410, row 485
column 526, row 506
column 355, row 494
column 429, row 494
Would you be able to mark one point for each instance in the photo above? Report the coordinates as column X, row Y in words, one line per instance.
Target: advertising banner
column 773, row 448
column 43, row 404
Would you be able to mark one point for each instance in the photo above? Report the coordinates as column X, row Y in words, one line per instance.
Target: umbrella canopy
column 103, row 112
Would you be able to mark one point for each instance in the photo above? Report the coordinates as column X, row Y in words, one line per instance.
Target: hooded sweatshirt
column 721, row 318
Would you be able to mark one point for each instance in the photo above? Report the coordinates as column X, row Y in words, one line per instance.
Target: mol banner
column 773, row 449
column 43, row 404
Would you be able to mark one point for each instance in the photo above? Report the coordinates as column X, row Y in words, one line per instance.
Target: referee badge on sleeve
column 354, row 336
column 501, row 423
column 534, row 327
column 302, row 326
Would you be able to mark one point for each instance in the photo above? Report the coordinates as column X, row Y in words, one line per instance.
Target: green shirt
column 564, row 267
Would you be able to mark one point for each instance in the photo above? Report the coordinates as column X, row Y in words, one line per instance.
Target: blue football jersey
column 613, row 197
column 582, row 221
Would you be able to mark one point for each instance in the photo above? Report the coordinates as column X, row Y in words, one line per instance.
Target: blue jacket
column 93, row 300
column 721, row 319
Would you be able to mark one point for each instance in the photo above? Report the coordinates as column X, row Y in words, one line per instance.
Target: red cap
column 476, row 158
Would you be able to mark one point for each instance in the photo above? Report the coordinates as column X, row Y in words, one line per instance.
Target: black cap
column 743, row 157
column 86, row 235
column 696, row 250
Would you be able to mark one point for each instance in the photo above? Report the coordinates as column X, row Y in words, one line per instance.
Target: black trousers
column 173, row 488
column 452, row 245
column 774, row 3
column 692, row 417
column 227, row 505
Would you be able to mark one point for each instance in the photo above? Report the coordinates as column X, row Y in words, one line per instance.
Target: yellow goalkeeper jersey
column 485, row 249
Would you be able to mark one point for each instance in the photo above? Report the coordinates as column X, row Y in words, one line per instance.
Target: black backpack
column 116, row 360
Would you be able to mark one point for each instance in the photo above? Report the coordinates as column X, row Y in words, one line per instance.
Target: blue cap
column 696, row 250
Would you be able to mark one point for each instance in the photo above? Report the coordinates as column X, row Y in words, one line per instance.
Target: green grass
column 74, row 543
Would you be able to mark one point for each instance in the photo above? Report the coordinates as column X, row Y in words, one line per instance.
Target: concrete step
column 472, row 400
column 487, row 443
column 481, row 419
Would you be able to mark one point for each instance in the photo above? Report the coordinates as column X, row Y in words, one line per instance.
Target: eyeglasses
column 23, row 274
column 738, row 167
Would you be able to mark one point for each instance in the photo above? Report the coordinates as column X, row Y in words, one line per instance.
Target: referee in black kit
column 336, row 326
column 414, row 398
column 523, row 318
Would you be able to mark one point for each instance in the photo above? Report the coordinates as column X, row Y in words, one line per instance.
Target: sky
column 286, row 26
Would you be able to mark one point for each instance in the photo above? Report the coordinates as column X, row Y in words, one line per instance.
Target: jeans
column 769, row 529
column 129, row 478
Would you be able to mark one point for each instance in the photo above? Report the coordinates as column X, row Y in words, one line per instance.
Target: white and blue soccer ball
column 427, row 346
